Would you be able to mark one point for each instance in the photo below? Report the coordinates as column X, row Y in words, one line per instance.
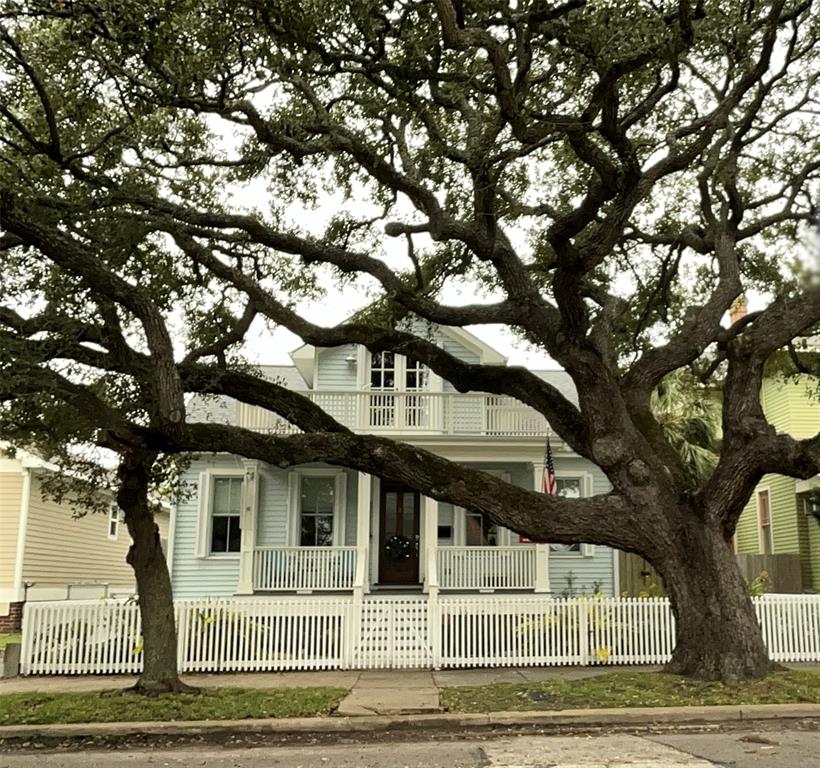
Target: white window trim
column 203, row 539
column 758, row 493
column 339, row 503
column 363, row 367
column 113, row 517
column 585, row 550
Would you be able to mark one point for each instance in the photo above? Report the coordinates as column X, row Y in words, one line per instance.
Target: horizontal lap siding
column 193, row 576
column 334, row 371
column 61, row 549
column 11, row 491
column 747, row 534
column 790, row 407
column 586, row 573
column 458, row 351
column 272, row 515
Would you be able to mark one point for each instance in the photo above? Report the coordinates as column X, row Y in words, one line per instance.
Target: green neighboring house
column 783, row 514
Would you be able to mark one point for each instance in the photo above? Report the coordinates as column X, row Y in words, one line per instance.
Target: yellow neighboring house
column 46, row 553
column 783, row 514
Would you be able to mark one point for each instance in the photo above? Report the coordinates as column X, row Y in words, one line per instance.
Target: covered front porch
column 392, row 539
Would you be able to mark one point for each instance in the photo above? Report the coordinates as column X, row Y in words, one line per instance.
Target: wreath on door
column 398, row 547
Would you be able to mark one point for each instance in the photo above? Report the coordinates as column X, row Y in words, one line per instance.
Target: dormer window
column 383, row 370
column 388, row 371
column 397, row 383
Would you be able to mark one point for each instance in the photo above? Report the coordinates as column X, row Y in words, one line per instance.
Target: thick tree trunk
column 159, row 674
column 718, row 635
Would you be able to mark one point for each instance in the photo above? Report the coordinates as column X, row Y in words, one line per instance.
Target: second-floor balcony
column 442, row 413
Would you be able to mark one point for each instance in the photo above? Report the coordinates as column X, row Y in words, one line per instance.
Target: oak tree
column 605, row 178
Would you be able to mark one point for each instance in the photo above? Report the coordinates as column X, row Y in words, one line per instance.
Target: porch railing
column 449, row 413
column 467, row 568
column 296, row 569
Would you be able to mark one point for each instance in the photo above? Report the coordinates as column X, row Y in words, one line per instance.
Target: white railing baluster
column 486, row 568
column 294, row 569
column 410, row 411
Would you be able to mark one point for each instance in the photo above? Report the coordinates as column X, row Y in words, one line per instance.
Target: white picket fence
column 396, row 631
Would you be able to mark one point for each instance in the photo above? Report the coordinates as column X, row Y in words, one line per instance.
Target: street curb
column 578, row 718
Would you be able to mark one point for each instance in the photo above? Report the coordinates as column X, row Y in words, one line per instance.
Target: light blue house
column 254, row 529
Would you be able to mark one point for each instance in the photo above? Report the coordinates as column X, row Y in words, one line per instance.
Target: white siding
column 193, row 576
column 272, row 513
column 334, row 371
column 11, row 492
column 585, row 572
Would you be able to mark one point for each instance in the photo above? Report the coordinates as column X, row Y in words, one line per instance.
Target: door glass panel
column 390, row 515
column 408, row 516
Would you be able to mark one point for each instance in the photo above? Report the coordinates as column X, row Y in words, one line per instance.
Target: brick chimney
column 738, row 309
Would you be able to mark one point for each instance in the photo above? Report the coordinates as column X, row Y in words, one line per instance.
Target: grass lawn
column 6, row 639
column 210, row 704
column 632, row 689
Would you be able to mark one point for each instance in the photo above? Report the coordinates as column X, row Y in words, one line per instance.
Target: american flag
column 548, row 483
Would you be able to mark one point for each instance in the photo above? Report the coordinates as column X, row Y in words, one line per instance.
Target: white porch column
column 430, row 507
column 247, row 523
column 542, row 551
column 361, row 582
column 430, row 540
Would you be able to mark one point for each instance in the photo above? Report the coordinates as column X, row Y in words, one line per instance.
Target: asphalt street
column 739, row 749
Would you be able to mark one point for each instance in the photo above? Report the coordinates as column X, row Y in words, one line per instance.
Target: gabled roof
column 27, row 460
column 220, row 409
column 304, row 357
column 562, row 381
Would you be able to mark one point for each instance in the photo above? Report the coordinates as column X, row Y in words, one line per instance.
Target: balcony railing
column 297, row 569
column 448, row 413
column 471, row 568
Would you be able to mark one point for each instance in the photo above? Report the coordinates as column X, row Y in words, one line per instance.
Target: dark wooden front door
column 398, row 535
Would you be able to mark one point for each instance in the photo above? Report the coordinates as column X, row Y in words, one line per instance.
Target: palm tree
column 691, row 421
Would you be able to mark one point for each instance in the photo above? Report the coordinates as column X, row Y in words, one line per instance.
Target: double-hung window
column 570, row 488
column 317, row 505
column 226, row 508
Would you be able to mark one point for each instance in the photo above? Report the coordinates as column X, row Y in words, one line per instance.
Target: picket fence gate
column 396, row 631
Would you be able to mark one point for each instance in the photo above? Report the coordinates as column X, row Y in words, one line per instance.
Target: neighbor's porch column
column 361, row 582
column 542, row 551
column 247, row 524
